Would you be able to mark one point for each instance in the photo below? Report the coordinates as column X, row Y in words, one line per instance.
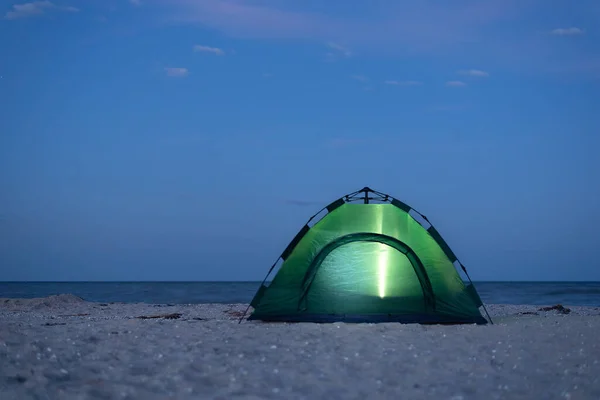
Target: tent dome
column 368, row 260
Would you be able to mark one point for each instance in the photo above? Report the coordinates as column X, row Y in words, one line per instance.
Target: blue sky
column 190, row 140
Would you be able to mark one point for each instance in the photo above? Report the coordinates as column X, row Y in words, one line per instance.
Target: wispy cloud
column 403, row 83
column 337, row 51
column 474, row 72
column 250, row 20
column 136, row 2
column 207, row 49
column 567, row 31
column 422, row 25
column 360, row 78
column 177, row 72
column 28, row 9
column 497, row 31
column 35, row 8
column 455, row 83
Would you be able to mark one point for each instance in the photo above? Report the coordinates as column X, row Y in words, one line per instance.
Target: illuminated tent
column 368, row 260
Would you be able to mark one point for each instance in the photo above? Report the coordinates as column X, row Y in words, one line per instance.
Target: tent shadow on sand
column 368, row 259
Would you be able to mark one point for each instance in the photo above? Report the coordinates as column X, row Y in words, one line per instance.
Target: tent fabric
column 368, row 262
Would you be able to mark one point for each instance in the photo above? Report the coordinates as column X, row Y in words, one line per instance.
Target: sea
column 536, row 293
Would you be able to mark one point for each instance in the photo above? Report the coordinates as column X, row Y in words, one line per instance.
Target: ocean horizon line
column 260, row 280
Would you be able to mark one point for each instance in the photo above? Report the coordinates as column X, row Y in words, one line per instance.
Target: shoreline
column 63, row 347
column 61, row 301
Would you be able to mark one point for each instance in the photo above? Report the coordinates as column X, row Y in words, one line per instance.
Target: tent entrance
column 366, row 273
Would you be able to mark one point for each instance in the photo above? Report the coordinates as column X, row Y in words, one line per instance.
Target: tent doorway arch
column 387, row 244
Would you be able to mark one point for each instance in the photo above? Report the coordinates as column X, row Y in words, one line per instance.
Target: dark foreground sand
column 65, row 348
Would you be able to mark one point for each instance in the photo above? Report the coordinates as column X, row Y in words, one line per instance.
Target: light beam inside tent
column 382, row 259
column 382, row 269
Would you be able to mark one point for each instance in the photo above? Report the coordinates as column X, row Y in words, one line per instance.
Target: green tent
column 368, row 260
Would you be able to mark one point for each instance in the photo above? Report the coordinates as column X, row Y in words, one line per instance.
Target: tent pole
column 366, row 190
column 244, row 314
column 261, row 285
column 471, row 282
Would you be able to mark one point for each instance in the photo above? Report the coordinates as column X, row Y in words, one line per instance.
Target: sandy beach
column 63, row 347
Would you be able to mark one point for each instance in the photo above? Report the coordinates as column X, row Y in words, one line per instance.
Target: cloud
column 241, row 19
column 136, row 2
column 405, row 25
column 474, row 72
column 34, row 8
column 403, row 83
column 339, row 49
column 28, row 9
column 455, row 83
column 207, row 49
column 567, row 31
column 177, row 72
column 360, row 78
column 336, row 51
column 497, row 31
